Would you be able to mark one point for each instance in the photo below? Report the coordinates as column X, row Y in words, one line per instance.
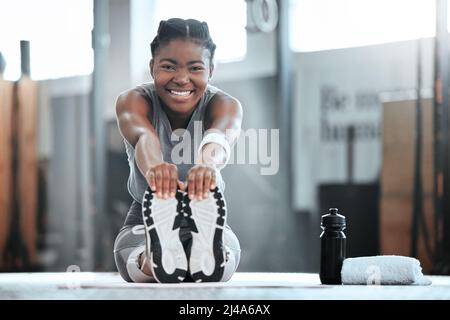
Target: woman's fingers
column 166, row 183
column 152, row 181
column 163, row 180
column 199, row 177
column 159, row 182
column 191, row 184
column 173, row 183
column 213, row 184
column 207, row 183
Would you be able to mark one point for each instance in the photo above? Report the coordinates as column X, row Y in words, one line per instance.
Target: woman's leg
column 129, row 254
column 233, row 253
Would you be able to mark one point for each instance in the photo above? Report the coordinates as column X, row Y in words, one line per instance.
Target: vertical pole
column 441, row 140
column 285, row 79
column 100, row 44
column 417, row 192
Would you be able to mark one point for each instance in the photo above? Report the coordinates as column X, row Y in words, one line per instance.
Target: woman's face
column 181, row 69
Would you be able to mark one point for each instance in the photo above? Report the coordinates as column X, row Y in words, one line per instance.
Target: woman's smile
column 180, row 93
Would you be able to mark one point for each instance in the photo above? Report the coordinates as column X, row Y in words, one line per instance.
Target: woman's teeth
column 180, row 93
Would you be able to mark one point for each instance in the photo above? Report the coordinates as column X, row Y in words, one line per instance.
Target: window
column 226, row 21
column 59, row 33
column 332, row 24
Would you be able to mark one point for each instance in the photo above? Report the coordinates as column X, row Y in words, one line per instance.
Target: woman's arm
column 133, row 118
column 223, row 121
column 224, row 117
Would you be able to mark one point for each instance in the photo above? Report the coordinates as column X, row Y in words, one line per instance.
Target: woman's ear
column 151, row 67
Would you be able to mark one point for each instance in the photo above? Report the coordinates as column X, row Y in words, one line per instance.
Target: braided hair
column 176, row 28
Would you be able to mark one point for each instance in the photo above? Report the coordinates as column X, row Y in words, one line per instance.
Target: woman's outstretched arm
column 134, row 122
column 223, row 121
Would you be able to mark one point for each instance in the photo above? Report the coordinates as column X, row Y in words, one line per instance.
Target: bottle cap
column 333, row 219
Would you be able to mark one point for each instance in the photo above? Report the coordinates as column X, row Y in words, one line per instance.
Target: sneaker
column 207, row 254
column 162, row 219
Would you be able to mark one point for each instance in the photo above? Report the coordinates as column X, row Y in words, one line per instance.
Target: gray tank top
column 178, row 147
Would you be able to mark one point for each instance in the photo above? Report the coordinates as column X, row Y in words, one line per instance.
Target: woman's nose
column 181, row 77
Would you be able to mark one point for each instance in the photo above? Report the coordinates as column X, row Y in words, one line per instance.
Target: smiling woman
column 180, row 206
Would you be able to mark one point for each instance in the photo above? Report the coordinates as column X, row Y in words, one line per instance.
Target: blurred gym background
column 357, row 88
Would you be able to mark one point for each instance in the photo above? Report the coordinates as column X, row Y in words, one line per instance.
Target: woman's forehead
column 183, row 49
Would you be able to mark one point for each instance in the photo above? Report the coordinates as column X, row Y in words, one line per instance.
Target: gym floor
column 243, row 286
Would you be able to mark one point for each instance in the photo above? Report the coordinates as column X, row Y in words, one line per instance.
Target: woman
column 176, row 227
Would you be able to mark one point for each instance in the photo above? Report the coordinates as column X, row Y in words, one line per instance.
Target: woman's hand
column 200, row 180
column 163, row 179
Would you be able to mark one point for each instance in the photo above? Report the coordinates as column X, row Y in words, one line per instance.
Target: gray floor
column 243, row 286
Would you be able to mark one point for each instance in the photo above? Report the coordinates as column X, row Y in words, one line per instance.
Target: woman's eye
column 167, row 67
column 197, row 68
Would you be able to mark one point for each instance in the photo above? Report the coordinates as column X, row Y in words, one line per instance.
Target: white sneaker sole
column 167, row 256
column 207, row 259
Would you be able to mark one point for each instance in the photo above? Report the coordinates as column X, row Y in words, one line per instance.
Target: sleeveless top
column 178, row 147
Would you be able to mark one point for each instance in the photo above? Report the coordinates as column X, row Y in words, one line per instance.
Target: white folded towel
column 393, row 270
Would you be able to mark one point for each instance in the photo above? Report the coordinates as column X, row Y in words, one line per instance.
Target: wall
column 63, row 140
column 337, row 88
column 69, row 224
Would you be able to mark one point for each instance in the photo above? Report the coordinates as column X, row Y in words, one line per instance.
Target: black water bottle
column 332, row 247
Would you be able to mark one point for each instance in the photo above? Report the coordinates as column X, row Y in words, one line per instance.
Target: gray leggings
column 130, row 243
